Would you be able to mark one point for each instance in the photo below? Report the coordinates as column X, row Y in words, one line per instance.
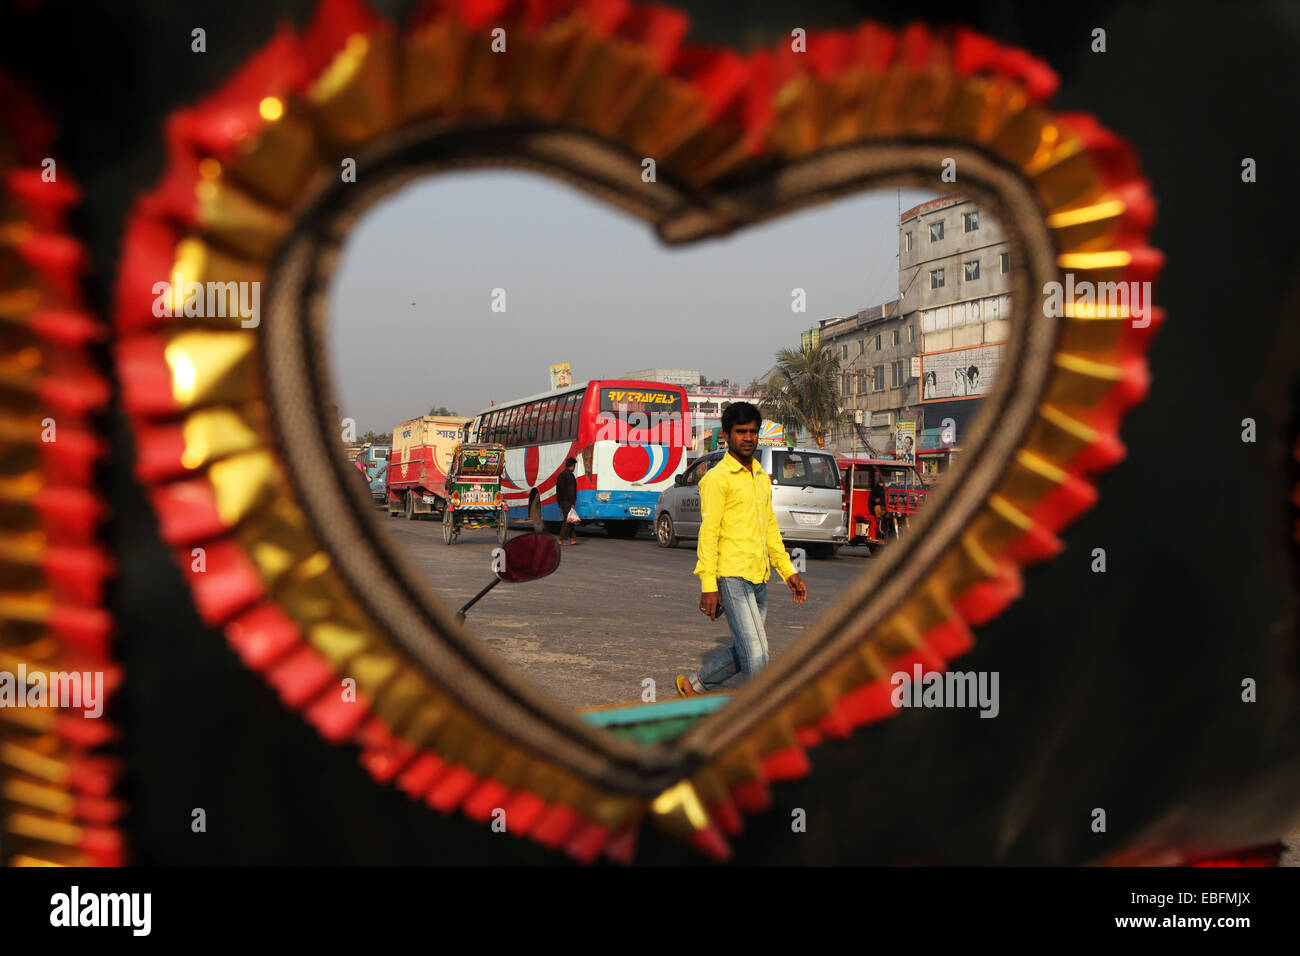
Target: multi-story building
column 875, row 348
column 953, row 266
column 933, row 353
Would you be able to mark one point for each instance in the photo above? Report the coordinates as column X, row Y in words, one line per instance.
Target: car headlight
column 602, row 496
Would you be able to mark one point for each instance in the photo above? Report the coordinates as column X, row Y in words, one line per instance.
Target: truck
column 415, row 482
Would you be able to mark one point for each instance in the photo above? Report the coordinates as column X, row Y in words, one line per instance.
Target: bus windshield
column 630, row 414
column 625, row 401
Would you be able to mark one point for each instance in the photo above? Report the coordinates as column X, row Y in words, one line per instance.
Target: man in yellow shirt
column 738, row 539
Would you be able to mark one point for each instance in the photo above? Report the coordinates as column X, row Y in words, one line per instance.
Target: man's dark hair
column 740, row 413
column 570, row 462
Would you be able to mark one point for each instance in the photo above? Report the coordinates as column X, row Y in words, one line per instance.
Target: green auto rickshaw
column 474, row 491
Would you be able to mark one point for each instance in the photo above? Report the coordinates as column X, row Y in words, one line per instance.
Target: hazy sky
column 410, row 310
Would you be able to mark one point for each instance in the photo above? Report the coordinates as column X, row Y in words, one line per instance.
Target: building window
column 898, row 337
column 877, row 343
column 936, row 231
column 862, row 382
column 844, row 351
column 862, row 346
column 879, row 374
column 1005, row 260
column 896, row 375
column 936, row 278
column 911, row 333
column 972, row 269
column 971, row 221
column 907, row 242
column 848, row 385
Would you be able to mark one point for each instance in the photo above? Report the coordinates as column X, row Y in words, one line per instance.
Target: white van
column 806, row 499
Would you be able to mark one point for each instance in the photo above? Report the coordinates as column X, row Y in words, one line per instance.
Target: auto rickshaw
column 894, row 486
column 474, row 491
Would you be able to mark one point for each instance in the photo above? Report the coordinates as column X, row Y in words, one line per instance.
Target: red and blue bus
column 629, row 438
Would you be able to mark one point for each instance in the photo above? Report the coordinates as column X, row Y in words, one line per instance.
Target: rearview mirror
column 529, row 557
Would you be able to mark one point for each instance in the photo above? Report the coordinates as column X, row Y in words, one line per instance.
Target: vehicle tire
column 448, row 527
column 410, row 506
column 622, row 529
column 665, row 533
column 501, row 528
column 535, row 513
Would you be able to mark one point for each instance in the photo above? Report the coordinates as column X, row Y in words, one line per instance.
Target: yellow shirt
column 738, row 532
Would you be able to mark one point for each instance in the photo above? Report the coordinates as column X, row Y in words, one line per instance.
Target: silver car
column 806, row 499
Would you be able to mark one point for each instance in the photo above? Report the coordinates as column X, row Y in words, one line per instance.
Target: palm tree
column 803, row 391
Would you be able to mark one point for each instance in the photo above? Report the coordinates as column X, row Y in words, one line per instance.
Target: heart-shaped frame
column 232, row 438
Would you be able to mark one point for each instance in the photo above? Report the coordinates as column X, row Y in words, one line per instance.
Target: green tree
column 441, row 410
column 804, row 391
column 377, row 438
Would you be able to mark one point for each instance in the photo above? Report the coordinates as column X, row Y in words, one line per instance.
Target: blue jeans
column 746, row 607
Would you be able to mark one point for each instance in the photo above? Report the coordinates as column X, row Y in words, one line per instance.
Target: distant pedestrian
column 566, row 497
column 739, row 543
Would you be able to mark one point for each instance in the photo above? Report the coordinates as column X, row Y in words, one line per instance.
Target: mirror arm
column 460, row 615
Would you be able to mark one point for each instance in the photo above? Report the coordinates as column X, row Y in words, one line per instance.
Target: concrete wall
column 957, row 247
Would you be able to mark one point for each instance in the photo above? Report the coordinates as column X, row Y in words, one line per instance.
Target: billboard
column 960, row 373
column 905, row 442
column 772, row 433
column 561, row 376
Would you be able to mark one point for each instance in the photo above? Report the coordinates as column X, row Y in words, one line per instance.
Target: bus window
column 546, row 421
column 571, row 416
column 514, row 430
column 530, row 423
column 561, row 406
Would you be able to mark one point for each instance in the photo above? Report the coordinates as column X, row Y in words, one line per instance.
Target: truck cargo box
column 417, row 465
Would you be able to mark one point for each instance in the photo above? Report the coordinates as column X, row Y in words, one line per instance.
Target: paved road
column 614, row 613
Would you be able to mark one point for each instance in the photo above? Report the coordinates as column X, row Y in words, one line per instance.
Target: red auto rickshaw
column 880, row 495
